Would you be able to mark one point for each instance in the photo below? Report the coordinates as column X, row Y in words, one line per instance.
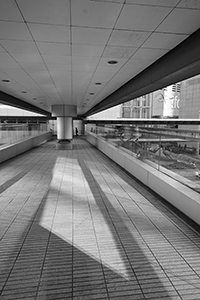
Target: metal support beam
column 130, row 121
column 16, row 102
column 180, row 63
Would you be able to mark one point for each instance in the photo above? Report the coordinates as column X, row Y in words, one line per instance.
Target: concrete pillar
column 64, row 128
column 64, row 114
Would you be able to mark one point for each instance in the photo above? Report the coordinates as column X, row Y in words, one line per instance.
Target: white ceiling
column 57, row 50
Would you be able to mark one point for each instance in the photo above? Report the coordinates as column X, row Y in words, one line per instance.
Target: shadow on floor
column 44, row 265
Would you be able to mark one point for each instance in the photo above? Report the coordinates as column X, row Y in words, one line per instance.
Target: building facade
column 190, row 100
column 164, row 103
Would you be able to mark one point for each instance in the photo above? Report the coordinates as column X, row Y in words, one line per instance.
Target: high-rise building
column 190, row 99
column 137, row 108
column 190, row 105
column 163, row 103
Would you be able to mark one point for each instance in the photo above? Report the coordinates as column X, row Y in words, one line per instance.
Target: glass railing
column 12, row 133
column 173, row 151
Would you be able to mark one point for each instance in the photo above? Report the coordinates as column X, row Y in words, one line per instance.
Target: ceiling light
column 34, row 98
column 24, row 92
column 112, row 62
column 98, row 83
column 91, row 93
column 6, row 80
column 87, row 99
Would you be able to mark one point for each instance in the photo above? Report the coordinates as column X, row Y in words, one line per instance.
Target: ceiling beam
column 16, row 102
column 180, row 63
column 136, row 122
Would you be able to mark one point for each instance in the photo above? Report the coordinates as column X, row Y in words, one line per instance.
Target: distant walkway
column 73, row 225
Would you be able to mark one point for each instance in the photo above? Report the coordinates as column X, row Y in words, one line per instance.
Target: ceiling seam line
column 33, row 39
column 112, row 29
column 71, row 50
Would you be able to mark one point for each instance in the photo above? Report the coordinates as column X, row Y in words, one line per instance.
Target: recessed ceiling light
column 91, row 93
column 34, row 98
column 98, row 83
column 87, row 99
column 24, row 92
column 112, row 62
column 6, row 80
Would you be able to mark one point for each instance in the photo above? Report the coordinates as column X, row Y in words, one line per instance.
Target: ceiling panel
column 57, row 59
column 19, row 75
column 9, row 11
column 87, row 50
column 163, row 40
column 178, row 21
column 80, row 84
column 128, row 38
column 2, row 49
column 139, row 65
column 14, row 31
column 101, row 77
column 37, row 73
column 113, row 1
column 127, row 72
column 168, row 3
column 45, row 11
column 50, row 33
column 58, row 51
column 58, row 67
column 87, row 64
column 63, row 82
column 141, row 17
column 110, row 68
column 150, row 54
column 50, row 48
column 6, row 57
column 8, row 64
column 27, row 58
column 30, row 65
column 64, row 76
column 90, row 36
column 98, row 14
column 22, row 47
column 119, row 52
column 189, row 4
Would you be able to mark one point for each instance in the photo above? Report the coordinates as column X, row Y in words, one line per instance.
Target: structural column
column 64, row 114
column 64, row 128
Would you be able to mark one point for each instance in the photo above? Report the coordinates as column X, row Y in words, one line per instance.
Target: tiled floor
column 75, row 226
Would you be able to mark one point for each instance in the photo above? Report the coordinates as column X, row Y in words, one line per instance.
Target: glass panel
column 173, row 151
column 12, row 133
